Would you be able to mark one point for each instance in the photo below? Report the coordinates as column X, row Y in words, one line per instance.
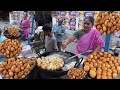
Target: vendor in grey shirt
column 50, row 40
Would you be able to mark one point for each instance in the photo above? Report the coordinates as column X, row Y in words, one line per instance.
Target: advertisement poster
column 64, row 15
column 69, row 18
column 80, row 19
column 89, row 14
column 82, row 15
column 73, row 20
column 16, row 17
column 96, row 14
column 55, row 14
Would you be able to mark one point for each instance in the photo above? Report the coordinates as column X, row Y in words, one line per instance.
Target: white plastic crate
column 26, row 50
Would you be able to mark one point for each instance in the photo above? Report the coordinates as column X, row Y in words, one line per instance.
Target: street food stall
column 23, row 62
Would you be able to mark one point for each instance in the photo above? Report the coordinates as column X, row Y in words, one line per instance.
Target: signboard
column 69, row 18
column 16, row 17
column 73, row 20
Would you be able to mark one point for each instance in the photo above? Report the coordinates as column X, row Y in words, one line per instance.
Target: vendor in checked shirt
column 59, row 32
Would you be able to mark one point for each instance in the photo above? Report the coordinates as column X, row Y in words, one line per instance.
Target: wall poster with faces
column 89, row 13
column 80, row 19
column 66, row 21
column 72, row 22
column 82, row 15
column 16, row 17
column 65, row 16
column 62, row 15
column 69, row 19
column 72, row 19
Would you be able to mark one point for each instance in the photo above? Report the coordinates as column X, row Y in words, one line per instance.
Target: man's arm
column 55, row 44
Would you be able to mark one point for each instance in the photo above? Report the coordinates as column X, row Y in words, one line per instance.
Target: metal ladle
column 86, row 52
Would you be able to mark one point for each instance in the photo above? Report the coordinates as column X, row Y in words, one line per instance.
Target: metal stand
column 107, row 43
column 32, row 26
column 31, row 31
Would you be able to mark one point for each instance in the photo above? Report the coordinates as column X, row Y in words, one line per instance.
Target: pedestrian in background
column 25, row 26
column 59, row 32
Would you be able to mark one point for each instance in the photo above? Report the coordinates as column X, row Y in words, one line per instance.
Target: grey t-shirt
column 50, row 43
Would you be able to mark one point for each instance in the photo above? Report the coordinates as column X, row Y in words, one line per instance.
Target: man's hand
column 56, row 32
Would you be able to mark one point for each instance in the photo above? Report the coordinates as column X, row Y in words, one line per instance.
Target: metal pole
column 28, row 40
column 107, row 43
column 31, row 30
column 32, row 25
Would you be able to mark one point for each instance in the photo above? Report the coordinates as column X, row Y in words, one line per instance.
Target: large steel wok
column 6, row 34
column 64, row 55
